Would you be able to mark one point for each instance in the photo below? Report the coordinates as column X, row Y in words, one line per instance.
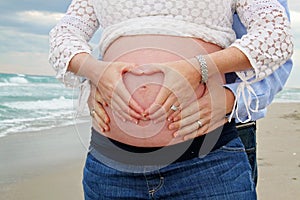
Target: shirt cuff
column 245, row 105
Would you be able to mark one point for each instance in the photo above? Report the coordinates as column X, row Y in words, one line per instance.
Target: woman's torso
column 141, row 50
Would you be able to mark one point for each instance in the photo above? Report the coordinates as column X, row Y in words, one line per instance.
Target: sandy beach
column 278, row 140
column 47, row 165
column 44, row 165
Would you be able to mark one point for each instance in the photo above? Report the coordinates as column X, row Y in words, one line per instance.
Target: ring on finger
column 92, row 113
column 199, row 123
column 174, row 108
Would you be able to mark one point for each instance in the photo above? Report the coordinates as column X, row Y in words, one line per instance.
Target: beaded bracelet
column 203, row 68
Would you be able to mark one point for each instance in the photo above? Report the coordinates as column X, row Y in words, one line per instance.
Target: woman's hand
column 205, row 114
column 96, row 106
column 113, row 91
column 107, row 77
column 181, row 79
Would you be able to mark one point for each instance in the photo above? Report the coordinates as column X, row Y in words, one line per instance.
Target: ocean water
column 288, row 95
column 32, row 103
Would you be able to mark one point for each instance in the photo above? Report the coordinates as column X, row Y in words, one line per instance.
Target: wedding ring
column 199, row 124
column 174, row 108
column 92, row 113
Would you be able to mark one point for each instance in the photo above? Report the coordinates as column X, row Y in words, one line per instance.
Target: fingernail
column 145, row 119
column 171, row 126
column 170, row 119
column 139, row 71
column 175, row 135
column 135, row 121
column 176, row 119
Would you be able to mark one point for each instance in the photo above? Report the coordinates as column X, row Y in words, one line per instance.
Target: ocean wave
column 32, row 103
column 29, row 84
column 53, row 104
column 24, row 79
column 37, row 121
column 7, row 84
column 29, row 127
column 288, row 95
column 18, row 80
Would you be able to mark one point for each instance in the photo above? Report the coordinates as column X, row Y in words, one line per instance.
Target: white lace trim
column 85, row 89
column 241, row 92
column 267, row 44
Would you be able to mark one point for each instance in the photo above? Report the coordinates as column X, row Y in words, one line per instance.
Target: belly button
column 143, row 87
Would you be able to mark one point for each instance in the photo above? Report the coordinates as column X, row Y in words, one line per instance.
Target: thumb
column 148, row 69
column 128, row 68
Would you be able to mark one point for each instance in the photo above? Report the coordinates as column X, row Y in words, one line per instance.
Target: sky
column 25, row 25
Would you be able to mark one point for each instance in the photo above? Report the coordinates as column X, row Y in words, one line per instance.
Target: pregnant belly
column 146, row 49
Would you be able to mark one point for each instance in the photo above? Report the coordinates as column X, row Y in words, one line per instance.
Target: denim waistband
column 129, row 154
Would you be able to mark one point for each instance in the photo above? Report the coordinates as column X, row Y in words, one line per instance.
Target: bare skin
column 144, row 86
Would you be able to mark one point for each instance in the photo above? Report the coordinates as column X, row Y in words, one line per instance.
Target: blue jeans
column 248, row 137
column 222, row 174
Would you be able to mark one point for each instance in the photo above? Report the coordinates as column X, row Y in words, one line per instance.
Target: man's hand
column 205, row 114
